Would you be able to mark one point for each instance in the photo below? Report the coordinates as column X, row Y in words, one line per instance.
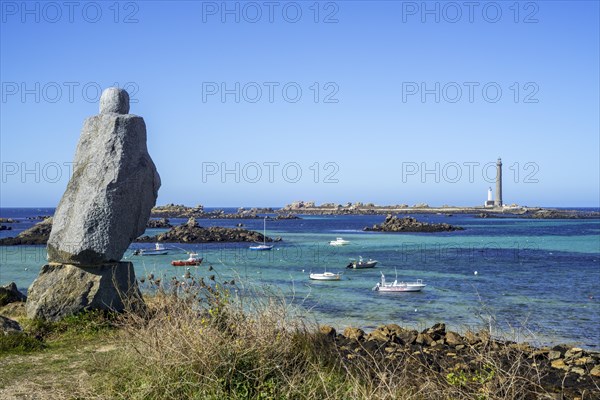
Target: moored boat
column 362, row 264
column 326, row 276
column 339, row 242
column 396, row 286
column 192, row 260
column 159, row 250
column 264, row 246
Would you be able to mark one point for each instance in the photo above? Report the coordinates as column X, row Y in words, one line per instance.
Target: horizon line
column 377, row 205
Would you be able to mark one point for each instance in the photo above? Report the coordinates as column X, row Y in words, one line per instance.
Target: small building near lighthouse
column 490, row 200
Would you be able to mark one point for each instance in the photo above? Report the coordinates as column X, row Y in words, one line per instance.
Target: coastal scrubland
column 213, row 341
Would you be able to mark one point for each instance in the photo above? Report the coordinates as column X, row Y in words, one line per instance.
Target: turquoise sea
column 530, row 280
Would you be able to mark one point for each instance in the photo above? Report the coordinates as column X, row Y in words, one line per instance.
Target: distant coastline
column 292, row 210
column 359, row 208
column 310, row 208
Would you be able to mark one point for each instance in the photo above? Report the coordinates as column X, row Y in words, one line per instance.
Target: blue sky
column 330, row 111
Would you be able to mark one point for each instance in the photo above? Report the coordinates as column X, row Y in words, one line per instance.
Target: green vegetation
column 219, row 348
column 18, row 343
column 50, row 360
column 86, row 325
column 206, row 342
column 38, row 335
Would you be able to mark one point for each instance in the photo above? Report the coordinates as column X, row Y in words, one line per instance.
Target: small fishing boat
column 326, row 276
column 264, row 246
column 362, row 264
column 158, row 250
column 339, row 242
column 192, row 260
column 396, row 286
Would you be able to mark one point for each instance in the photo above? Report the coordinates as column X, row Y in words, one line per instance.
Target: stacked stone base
column 61, row 290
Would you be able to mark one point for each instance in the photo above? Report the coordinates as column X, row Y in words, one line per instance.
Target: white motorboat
column 159, row 250
column 264, row 246
column 396, row 286
column 326, row 276
column 339, row 242
column 362, row 264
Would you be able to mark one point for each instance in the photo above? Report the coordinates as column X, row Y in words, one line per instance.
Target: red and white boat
column 192, row 260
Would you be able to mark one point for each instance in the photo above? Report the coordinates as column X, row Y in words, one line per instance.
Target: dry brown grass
column 206, row 341
column 209, row 343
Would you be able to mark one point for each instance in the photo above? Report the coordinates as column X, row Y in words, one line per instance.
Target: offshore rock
column 181, row 211
column 191, row 232
column 63, row 289
column 562, row 214
column 283, row 216
column 409, row 224
column 37, row 234
column 114, row 186
column 159, row 223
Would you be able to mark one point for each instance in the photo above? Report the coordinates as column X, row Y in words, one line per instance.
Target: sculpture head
column 114, row 100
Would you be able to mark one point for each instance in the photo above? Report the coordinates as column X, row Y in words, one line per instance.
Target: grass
column 208, row 345
column 207, row 342
column 38, row 334
column 213, row 344
column 19, row 343
column 51, row 360
column 86, row 325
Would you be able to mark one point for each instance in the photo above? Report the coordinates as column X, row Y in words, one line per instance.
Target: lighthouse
column 498, row 200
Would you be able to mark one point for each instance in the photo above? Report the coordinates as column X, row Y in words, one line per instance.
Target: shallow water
column 539, row 279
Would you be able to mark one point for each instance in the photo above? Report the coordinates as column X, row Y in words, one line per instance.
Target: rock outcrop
column 562, row 214
column 113, row 188
column 37, row 234
column 10, row 294
column 158, row 223
column 283, row 217
column 41, row 217
column 359, row 208
column 409, row 224
column 474, row 356
column 177, row 211
column 191, row 232
column 8, row 326
column 300, row 205
column 105, row 207
column 181, row 211
column 64, row 289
